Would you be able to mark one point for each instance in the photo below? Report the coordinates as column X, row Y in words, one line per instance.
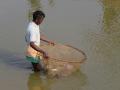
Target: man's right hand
column 45, row 55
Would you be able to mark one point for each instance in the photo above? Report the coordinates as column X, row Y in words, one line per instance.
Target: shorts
column 33, row 59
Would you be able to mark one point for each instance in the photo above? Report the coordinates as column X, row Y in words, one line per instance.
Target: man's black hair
column 37, row 14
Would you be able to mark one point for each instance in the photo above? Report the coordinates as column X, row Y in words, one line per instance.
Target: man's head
column 38, row 17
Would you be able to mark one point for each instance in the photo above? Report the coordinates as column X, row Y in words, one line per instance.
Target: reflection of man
column 36, row 83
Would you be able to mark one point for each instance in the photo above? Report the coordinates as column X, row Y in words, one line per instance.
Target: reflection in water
column 111, row 17
column 73, row 82
column 37, row 83
column 16, row 60
column 37, row 5
column 34, row 5
column 108, row 43
column 106, row 46
column 51, row 3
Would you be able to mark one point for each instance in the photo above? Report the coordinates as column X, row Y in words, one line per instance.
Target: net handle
column 59, row 60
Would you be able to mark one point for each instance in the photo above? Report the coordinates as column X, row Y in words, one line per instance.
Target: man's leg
column 36, row 67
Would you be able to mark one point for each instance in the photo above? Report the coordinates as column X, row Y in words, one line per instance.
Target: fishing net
column 64, row 59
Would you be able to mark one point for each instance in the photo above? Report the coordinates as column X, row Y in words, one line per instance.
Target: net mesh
column 64, row 59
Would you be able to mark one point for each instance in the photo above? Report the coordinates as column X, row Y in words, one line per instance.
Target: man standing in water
column 33, row 38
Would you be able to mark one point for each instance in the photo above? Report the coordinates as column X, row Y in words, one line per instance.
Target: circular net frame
column 64, row 59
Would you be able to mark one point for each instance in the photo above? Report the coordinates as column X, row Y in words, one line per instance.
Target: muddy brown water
column 90, row 25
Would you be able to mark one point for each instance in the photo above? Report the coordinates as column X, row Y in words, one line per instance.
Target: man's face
column 39, row 20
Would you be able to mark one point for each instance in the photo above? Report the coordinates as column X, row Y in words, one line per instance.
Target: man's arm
column 38, row 49
column 43, row 38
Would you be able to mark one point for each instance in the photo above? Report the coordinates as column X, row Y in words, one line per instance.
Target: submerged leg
column 36, row 67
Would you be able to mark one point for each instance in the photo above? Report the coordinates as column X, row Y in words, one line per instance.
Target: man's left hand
column 51, row 43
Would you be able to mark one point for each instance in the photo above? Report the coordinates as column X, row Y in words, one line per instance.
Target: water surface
column 90, row 25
